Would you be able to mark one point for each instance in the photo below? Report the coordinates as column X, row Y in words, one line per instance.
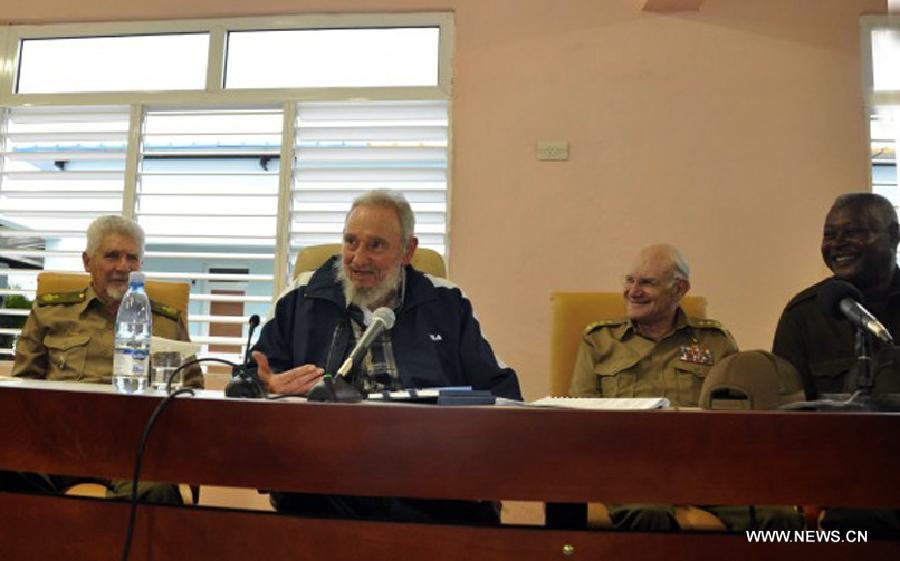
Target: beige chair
column 312, row 257
column 573, row 311
column 172, row 294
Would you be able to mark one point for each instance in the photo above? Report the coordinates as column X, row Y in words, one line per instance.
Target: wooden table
column 511, row 453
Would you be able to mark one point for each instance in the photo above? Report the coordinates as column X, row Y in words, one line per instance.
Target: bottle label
column 130, row 362
column 122, row 364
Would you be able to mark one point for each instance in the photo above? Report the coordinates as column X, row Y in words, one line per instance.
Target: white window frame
column 216, row 95
column 872, row 98
column 218, row 30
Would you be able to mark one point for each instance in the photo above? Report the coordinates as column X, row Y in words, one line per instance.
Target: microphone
column 383, row 319
column 254, row 323
column 336, row 388
column 243, row 383
column 840, row 299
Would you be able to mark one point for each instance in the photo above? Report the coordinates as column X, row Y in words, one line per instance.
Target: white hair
column 393, row 200
column 113, row 224
column 680, row 268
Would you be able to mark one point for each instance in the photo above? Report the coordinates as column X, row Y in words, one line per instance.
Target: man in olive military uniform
column 69, row 336
column 859, row 245
column 657, row 350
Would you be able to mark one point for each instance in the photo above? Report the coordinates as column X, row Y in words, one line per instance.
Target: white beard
column 369, row 297
column 115, row 294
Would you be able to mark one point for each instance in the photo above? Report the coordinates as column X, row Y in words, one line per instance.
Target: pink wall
column 726, row 131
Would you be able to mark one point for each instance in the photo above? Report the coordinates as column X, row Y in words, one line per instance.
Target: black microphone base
column 334, row 390
column 243, row 387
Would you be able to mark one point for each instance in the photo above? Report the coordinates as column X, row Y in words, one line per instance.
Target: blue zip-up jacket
column 436, row 339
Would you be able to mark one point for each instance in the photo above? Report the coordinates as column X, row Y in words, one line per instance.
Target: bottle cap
column 135, row 277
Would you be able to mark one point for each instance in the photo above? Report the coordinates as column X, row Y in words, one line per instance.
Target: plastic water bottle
column 131, row 359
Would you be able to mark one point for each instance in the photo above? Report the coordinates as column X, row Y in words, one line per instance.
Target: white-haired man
column 69, row 335
column 658, row 350
column 436, row 340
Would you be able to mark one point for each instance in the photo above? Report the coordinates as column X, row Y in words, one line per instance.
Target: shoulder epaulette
column 51, row 298
column 707, row 324
column 803, row 296
column 602, row 323
column 165, row 311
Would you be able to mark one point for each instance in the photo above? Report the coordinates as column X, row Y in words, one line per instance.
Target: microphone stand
column 865, row 374
column 244, row 382
column 335, row 389
column 862, row 398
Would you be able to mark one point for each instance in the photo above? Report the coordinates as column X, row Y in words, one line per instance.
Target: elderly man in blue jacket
column 435, row 341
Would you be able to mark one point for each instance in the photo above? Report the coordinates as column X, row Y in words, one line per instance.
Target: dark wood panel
column 91, row 529
column 491, row 453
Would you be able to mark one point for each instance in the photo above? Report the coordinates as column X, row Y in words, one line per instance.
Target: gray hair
column 680, row 268
column 386, row 198
column 880, row 205
column 113, row 224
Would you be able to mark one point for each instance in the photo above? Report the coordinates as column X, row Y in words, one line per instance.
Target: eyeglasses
column 628, row 281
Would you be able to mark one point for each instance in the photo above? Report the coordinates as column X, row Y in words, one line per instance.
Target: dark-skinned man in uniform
column 859, row 245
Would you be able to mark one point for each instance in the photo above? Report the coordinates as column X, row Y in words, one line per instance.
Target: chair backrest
column 426, row 260
column 573, row 311
column 172, row 294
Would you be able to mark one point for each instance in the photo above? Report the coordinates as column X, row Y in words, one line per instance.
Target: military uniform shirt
column 70, row 336
column 614, row 360
column 822, row 348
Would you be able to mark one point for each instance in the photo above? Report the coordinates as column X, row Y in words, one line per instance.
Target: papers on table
column 604, row 403
column 161, row 344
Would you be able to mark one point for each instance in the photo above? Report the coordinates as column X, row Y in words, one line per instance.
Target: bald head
column 666, row 256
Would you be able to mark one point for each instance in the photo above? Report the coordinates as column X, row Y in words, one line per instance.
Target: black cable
column 191, row 363
column 139, row 460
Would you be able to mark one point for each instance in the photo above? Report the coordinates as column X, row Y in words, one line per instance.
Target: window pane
column 884, row 132
column 60, row 167
column 344, row 149
column 104, row 64
column 207, row 199
column 333, row 58
column 886, row 59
